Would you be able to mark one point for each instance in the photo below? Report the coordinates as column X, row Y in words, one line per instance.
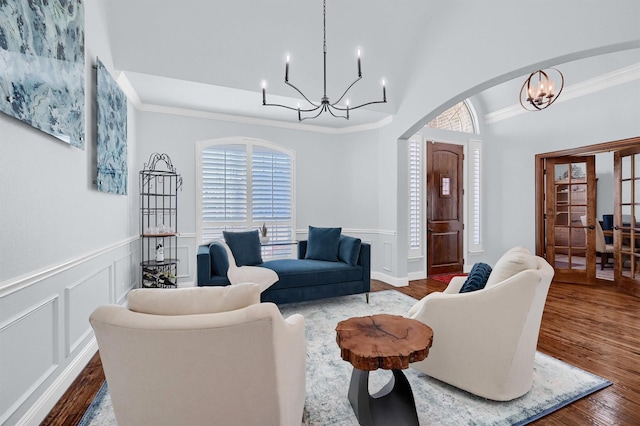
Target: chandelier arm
column 303, row 95
column 281, row 106
column 330, row 108
column 359, row 106
column 315, row 116
column 292, row 108
column 345, row 92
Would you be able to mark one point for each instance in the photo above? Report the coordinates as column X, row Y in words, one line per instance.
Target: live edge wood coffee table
column 389, row 342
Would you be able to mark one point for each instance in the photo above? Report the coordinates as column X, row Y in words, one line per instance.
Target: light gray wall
column 65, row 248
column 510, row 147
column 336, row 174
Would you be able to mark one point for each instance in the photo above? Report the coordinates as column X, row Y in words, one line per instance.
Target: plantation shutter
column 415, row 210
column 224, row 190
column 243, row 187
column 271, row 192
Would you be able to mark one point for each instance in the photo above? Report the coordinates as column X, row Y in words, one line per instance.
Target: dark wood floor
column 594, row 328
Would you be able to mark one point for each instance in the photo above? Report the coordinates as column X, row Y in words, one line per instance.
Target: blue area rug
column 555, row 384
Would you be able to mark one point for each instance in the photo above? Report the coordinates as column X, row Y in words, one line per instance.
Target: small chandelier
column 541, row 96
column 324, row 105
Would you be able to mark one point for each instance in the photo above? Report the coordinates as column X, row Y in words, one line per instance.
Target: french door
column 570, row 200
column 626, row 220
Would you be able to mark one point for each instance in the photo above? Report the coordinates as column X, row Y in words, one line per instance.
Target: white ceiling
column 212, row 55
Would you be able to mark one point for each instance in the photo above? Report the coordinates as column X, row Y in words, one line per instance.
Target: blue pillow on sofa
column 349, row 249
column 245, row 247
column 323, row 243
column 477, row 278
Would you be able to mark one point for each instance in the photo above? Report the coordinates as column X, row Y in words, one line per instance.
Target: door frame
column 540, row 230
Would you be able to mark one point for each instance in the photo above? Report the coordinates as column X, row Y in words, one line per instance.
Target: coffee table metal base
column 393, row 405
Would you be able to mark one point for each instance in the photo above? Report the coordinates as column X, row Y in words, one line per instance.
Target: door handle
column 615, row 228
column 591, row 227
column 429, row 230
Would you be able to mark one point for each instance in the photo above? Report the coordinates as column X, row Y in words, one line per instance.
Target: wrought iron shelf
column 159, row 184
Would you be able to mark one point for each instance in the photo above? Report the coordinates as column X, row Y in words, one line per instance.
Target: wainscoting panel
column 386, row 265
column 123, row 278
column 184, row 267
column 28, row 353
column 81, row 298
column 187, row 248
column 45, row 335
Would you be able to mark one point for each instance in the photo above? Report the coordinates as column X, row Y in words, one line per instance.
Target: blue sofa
column 299, row 279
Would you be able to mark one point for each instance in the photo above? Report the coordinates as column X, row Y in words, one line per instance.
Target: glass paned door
column 627, row 220
column 570, row 218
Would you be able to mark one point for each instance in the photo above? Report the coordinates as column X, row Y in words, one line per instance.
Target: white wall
column 65, row 249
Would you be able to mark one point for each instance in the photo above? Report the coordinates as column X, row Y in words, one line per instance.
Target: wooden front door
column 626, row 220
column 444, row 208
column 570, row 216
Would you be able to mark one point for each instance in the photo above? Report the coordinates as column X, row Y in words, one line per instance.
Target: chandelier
column 317, row 108
column 541, row 96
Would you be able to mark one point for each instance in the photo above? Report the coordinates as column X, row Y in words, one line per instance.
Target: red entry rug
column 445, row 278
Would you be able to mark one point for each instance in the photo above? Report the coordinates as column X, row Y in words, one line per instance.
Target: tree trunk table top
column 383, row 341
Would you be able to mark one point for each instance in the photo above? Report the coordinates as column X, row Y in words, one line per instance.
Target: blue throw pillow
column 323, row 243
column 349, row 250
column 477, row 278
column 245, row 247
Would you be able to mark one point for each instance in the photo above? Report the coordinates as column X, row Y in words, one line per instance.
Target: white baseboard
column 417, row 276
column 396, row 282
column 39, row 411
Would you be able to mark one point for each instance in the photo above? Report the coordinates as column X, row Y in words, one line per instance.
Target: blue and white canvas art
column 42, row 65
column 112, row 134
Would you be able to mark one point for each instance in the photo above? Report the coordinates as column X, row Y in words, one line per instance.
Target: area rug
column 555, row 384
column 446, row 278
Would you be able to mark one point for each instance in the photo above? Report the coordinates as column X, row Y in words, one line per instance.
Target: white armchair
column 202, row 356
column 485, row 341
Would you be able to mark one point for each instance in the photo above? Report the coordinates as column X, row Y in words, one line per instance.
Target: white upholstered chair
column 202, row 356
column 485, row 341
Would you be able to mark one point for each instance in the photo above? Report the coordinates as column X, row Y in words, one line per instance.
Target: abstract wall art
column 42, row 66
column 112, row 133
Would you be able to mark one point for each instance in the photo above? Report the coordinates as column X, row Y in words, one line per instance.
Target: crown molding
column 132, row 96
column 587, row 87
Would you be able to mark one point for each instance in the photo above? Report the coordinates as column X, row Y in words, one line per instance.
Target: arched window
column 457, row 118
column 242, row 185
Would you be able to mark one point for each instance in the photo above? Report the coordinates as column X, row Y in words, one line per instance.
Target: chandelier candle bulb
column 359, row 67
column 384, row 91
column 264, row 92
column 286, row 70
